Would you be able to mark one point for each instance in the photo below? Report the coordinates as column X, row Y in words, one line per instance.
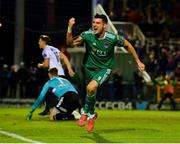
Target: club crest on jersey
column 106, row 44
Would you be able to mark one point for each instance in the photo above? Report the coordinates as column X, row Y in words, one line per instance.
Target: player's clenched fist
column 141, row 66
column 71, row 22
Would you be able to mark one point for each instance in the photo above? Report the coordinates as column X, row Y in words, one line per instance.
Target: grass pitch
column 111, row 126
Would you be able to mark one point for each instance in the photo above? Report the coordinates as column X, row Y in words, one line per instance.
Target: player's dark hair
column 45, row 38
column 53, row 71
column 101, row 16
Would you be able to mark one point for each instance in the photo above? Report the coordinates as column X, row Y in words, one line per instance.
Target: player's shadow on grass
column 127, row 129
column 97, row 138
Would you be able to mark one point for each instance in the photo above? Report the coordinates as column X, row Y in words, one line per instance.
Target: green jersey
column 100, row 51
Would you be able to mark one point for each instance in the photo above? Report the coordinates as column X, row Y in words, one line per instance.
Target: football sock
column 89, row 104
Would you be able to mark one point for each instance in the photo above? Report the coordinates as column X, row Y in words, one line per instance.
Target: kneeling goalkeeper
column 62, row 95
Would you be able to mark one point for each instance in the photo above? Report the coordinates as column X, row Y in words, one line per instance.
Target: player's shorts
column 68, row 103
column 99, row 75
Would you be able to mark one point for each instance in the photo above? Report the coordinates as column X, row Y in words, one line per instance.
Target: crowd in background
column 153, row 12
column 152, row 16
column 159, row 19
column 163, row 60
column 21, row 81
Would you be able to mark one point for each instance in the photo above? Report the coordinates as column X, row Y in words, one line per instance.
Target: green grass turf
column 111, row 126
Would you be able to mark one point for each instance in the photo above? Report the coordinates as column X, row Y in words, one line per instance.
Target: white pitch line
column 13, row 135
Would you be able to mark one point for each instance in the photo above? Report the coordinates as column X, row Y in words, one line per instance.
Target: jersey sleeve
column 40, row 97
column 86, row 34
column 58, row 51
column 120, row 41
column 45, row 54
column 83, row 35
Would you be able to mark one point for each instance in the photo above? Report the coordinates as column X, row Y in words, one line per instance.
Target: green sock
column 90, row 104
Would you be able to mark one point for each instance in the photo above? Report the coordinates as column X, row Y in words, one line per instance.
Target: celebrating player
column 98, row 62
column 52, row 58
column 62, row 94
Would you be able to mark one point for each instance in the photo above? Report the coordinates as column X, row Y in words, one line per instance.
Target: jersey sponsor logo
column 99, row 52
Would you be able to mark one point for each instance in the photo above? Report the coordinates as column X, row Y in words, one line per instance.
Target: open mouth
column 95, row 29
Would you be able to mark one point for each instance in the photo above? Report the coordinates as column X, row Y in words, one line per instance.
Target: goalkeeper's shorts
column 68, row 103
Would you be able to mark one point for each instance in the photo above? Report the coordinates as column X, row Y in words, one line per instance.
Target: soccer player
column 52, row 58
column 63, row 95
column 98, row 61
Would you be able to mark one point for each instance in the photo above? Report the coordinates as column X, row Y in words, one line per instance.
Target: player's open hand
column 71, row 22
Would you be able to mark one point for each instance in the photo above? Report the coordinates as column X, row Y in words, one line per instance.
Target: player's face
column 41, row 43
column 98, row 26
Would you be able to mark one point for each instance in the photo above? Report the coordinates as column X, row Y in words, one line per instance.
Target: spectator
column 168, row 84
column 32, row 84
column 117, row 79
column 23, row 75
column 13, row 81
column 138, row 86
column 4, row 81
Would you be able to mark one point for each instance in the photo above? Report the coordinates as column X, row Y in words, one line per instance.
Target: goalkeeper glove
column 29, row 116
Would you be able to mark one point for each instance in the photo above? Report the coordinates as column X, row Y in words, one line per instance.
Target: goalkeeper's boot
column 82, row 120
column 91, row 123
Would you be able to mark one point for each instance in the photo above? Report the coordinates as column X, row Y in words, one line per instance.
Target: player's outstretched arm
column 141, row 66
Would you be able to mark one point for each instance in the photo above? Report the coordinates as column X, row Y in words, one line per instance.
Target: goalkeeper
column 64, row 98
